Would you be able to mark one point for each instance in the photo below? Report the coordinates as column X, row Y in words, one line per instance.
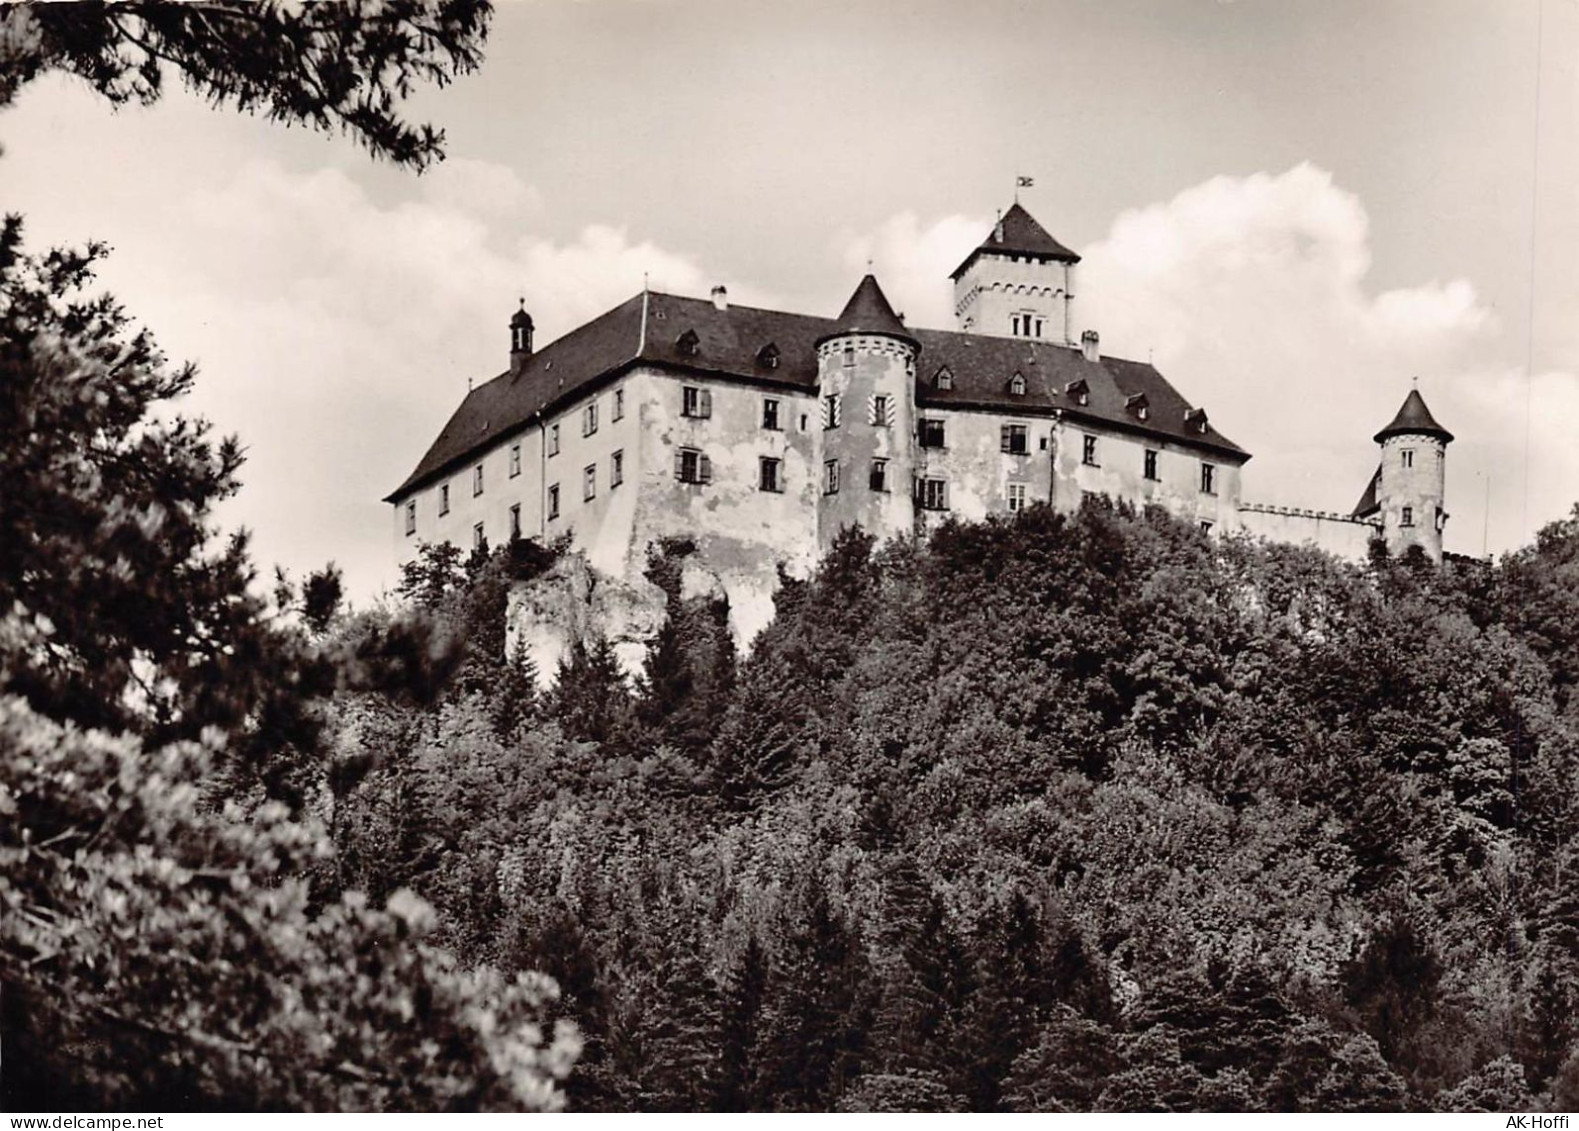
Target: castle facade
column 759, row 434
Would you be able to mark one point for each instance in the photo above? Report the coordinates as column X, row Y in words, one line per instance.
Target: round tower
column 866, row 377
column 1410, row 483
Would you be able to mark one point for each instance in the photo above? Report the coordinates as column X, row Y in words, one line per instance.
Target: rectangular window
column 932, row 434
column 695, row 402
column 1016, row 497
column 515, row 460
column 831, row 411
column 879, row 476
column 1206, row 527
column 619, row 405
column 589, row 482
column 849, row 357
column 616, row 469
column 444, row 499
column 932, row 494
column 1088, row 451
column 1208, row 479
column 411, row 517
column 830, row 477
column 1409, row 457
column 515, row 523
column 1151, row 465
column 770, row 475
column 770, row 415
column 1014, row 439
column 589, row 419
column 479, row 539
column 1408, row 518
column 553, row 501
column 553, row 439
column 880, row 411
column 692, row 466
column 477, row 480
column 1014, row 320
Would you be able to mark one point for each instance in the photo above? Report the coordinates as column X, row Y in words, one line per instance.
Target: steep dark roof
column 1018, row 233
column 1368, row 505
column 1414, row 419
column 869, row 312
column 729, row 342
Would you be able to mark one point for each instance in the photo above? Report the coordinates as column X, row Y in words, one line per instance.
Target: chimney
column 720, row 297
column 1088, row 345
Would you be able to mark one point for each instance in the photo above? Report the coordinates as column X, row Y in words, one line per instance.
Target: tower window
column 1208, row 479
column 932, row 434
column 589, row 482
column 515, row 522
column 1016, row 497
column 515, row 460
column 1014, row 439
column 479, row 539
column 880, row 410
column 692, row 466
column 444, row 499
column 849, row 357
column 932, row 494
column 1408, row 517
column 553, row 439
column 770, row 415
column 553, row 501
column 1151, row 464
column 878, row 480
column 477, row 480
column 770, row 474
column 619, row 405
column 589, row 419
column 830, row 477
column 411, row 517
column 831, row 411
column 695, row 402
column 1408, row 457
column 616, row 469
column 1088, row 451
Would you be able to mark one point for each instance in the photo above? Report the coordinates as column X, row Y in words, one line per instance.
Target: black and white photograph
column 821, row 556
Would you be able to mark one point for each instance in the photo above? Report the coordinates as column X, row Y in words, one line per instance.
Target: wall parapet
column 1303, row 512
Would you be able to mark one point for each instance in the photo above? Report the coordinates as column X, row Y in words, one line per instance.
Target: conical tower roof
column 1018, row 233
column 1415, row 419
column 869, row 312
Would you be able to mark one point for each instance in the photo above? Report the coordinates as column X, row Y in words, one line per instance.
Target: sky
column 1293, row 208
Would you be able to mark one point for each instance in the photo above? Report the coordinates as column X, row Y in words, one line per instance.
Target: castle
column 759, row 434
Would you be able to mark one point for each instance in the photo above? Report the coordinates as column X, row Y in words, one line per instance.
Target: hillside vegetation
column 1047, row 813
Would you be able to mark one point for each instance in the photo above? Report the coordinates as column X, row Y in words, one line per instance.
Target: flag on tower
column 1023, row 182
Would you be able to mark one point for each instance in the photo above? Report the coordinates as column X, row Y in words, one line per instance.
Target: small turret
column 520, row 338
column 866, row 375
column 1408, row 489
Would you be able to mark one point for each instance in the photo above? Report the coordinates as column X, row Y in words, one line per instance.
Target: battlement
column 1301, row 512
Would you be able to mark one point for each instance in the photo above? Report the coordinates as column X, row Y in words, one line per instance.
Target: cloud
column 1250, row 294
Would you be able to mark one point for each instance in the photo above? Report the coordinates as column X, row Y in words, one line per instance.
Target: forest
column 1054, row 812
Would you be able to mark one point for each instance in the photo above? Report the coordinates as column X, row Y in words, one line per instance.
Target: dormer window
column 688, row 344
column 1137, row 405
column 1017, row 385
column 1195, row 420
column 768, row 356
column 944, row 379
column 1078, row 391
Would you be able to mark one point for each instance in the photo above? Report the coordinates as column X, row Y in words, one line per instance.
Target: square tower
column 1018, row 284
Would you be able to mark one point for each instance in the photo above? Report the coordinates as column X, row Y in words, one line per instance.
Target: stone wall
column 1337, row 534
